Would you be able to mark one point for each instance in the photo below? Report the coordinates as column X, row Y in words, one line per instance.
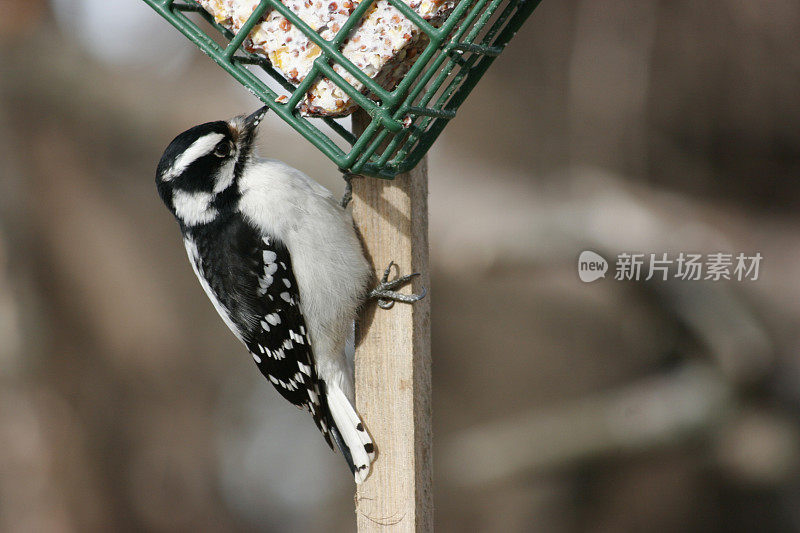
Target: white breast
column 328, row 262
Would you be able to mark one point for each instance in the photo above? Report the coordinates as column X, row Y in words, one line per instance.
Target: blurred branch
column 726, row 326
column 659, row 411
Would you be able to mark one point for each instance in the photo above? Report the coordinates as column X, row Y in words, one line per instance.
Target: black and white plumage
column 280, row 260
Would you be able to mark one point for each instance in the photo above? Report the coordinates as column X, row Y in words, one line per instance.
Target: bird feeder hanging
column 406, row 119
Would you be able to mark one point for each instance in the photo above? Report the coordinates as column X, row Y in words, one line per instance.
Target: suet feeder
column 405, row 120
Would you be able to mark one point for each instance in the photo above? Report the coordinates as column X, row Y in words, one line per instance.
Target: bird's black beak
column 245, row 129
column 252, row 122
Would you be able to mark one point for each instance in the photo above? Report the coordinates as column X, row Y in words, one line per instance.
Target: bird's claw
column 387, row 296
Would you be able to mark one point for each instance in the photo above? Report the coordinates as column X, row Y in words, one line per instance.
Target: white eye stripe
column 202, row 146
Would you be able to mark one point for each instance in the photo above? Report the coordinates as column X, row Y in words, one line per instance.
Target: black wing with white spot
column 279, row 340
column 249, row 279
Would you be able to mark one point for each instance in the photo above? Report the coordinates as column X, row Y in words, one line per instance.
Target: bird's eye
column 223, row 149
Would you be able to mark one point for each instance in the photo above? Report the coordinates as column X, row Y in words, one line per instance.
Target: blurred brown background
column 651, row 126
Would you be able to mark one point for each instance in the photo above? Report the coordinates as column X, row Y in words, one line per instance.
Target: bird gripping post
column 391, row 135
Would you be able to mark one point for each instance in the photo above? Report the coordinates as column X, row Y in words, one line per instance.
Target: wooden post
column 393, row 358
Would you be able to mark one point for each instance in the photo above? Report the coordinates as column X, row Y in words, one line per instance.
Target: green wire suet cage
column 404, row 121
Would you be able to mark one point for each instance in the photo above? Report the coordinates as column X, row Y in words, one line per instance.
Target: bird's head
column 199, row 168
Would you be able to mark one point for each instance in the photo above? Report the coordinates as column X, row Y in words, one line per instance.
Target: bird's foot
column 387, row 296
column 348, row 189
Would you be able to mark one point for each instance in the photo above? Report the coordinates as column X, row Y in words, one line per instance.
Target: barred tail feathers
column 352, row 438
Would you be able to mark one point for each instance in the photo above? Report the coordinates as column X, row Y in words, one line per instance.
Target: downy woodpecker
column 280, row 260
